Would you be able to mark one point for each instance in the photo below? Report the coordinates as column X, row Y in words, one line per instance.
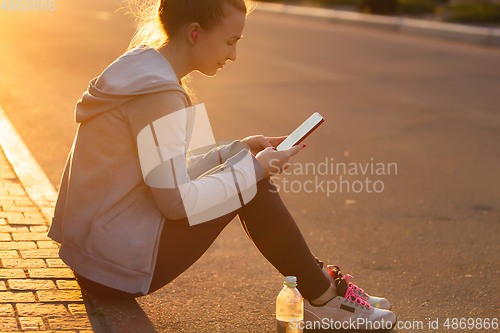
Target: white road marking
column 33, row 179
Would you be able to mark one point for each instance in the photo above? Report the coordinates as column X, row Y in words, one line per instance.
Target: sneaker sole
column 319, row 330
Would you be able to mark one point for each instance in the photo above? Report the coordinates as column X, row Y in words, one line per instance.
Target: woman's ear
column 193, row 32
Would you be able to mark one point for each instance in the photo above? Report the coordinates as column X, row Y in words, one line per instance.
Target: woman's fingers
column 294, row 150
column 258, row 142
column 274, row 161
column 275, row 141
column 264, row 142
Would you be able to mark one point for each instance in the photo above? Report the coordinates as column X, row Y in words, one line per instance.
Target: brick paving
column 38, row 292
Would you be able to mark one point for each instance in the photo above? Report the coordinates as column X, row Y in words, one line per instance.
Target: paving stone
column 8, row 202
column 77, row 309
column 47, row 245
column 7, row 174
column 32, row 323
column 13, row 228
column 56, row 263
column 67, row 284
column 8, row 324
column 69, row 322
column 27, row 221
column 41, row 309
column 17, row 245
column 16, row 208
column 23, row 263
column 6, row 310
column 27, row 236
column 3, row 287
column 9, row 254
column 12, row 183
column 41, row 253
column 58, row 331
column 43, row 273
column 31, row 284
column 12, row 273
column 17, row 296
column 20, row 218
column 39, row 228
column 3, row 221
column 16, row 191
column 60, row 295
column 5, row 237
column 33, row 214
column 12, row 216
column 23, row 202
column 6, row 197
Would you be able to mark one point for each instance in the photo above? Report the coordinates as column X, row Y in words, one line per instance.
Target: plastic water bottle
column 289, row 307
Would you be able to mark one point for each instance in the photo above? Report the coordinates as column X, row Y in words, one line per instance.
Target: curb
column 113, row 316
column 450, row 31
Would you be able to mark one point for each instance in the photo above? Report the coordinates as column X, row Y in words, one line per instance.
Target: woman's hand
column 257, row 143
column 274, row 161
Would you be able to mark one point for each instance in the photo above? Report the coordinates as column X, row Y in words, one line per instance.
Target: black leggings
column 266, row 221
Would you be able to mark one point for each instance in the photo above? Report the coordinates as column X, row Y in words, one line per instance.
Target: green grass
column 475, row 12
column 482, row 12
column 416, row 7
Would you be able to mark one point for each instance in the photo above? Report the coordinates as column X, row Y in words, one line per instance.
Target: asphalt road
column 428, row 241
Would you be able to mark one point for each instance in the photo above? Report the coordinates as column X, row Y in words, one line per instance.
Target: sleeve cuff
column 232, row 149
column 259, row 170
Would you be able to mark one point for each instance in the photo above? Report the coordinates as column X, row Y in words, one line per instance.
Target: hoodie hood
column 140, row 71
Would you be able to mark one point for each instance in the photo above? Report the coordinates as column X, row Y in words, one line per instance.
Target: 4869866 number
column 471, row 323
column 28, row 5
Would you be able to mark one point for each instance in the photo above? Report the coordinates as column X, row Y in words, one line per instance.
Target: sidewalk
column 38, row 292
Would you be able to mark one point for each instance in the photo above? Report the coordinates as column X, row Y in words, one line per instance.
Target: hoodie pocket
column 128, row 238
column 117, row 212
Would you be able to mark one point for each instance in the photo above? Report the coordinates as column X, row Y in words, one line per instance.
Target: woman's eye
column 230, row 44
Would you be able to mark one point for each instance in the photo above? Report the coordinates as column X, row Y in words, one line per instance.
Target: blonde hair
column 160, row 19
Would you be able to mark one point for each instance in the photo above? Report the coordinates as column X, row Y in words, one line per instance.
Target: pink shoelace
column 352, row 296
column 357, row 289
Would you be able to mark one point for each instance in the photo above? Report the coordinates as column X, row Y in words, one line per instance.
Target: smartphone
column 302, row 131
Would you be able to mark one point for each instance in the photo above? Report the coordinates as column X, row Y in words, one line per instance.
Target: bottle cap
column 290, row 281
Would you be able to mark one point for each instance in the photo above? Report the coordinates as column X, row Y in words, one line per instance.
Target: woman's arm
column 199, row 164
column 159, row 124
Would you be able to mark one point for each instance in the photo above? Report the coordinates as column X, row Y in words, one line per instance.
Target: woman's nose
column 232, row 55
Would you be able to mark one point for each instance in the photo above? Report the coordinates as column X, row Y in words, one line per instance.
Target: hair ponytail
column 149, row 31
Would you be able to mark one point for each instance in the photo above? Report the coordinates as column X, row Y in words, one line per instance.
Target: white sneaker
column 347, row 311
column 333, row 273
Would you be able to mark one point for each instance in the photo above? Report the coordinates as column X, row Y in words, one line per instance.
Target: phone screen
column 302, row 131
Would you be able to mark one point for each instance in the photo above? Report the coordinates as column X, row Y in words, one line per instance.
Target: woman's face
column 216, row 46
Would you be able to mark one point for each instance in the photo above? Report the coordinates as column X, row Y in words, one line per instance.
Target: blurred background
column 482, row 12
column 429, row 241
